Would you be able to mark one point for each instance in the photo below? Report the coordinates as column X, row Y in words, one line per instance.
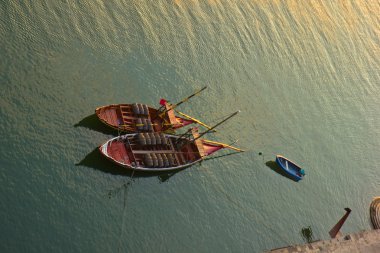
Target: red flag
column 163, row 101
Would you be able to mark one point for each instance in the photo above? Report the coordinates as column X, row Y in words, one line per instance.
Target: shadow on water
column 92, row 122
column 274, row 166
column 97, row 161
column 220, row 156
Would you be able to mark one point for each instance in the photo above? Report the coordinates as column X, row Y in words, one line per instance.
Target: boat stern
column 109, row 115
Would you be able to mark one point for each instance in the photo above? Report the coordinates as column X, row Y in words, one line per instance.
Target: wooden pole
column 335, row 230
column 182, row 101
column 212, row 128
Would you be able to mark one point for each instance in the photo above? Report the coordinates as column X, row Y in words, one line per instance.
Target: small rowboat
column 136, row 118
column 290, row 168
column 158, row 151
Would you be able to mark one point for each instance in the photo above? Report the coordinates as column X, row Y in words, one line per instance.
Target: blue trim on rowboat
column 290, row 168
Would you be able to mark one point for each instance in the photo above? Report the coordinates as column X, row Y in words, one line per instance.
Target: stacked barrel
column 140, row 109
column 155, row 159
column 148, row 139
column 143, row 123
column 158, row 160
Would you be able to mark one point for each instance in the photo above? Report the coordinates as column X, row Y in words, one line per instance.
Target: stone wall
column 362, row 242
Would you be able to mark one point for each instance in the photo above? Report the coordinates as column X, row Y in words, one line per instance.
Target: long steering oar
column 225, row 145
column 194, row 119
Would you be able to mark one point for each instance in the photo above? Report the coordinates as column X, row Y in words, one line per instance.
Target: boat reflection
column 274, row 166
column 96, row 161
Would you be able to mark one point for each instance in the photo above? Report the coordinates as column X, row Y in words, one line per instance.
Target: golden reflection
column 195, row 2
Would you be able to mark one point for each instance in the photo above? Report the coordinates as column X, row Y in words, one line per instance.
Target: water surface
column 305, row 75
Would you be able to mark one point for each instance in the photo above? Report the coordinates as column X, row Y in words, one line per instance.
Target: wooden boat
column 141, row 118
column 290, row 168
column 161, row 152
column 374, row 212
column 136, row 118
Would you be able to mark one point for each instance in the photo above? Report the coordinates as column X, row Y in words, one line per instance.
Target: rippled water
column 306, row 75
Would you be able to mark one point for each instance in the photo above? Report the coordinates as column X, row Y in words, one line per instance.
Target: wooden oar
column 193, row 119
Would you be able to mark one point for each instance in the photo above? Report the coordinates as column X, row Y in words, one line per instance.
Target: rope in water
column 251, row 213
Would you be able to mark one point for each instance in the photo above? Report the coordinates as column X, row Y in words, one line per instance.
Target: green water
column 305, row 74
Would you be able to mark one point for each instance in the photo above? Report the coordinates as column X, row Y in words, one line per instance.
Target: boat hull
column 289, row 167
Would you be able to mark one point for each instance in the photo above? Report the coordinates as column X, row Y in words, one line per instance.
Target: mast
column 212, row 128
column 182, row 101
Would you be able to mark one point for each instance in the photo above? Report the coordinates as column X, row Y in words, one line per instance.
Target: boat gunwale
column 281, row 156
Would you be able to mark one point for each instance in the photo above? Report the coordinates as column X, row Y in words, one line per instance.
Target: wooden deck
column 126, row 115
column 118, row 151
column 198, row 143
column 109, row 115
column 171, row 116
column 138, row 151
